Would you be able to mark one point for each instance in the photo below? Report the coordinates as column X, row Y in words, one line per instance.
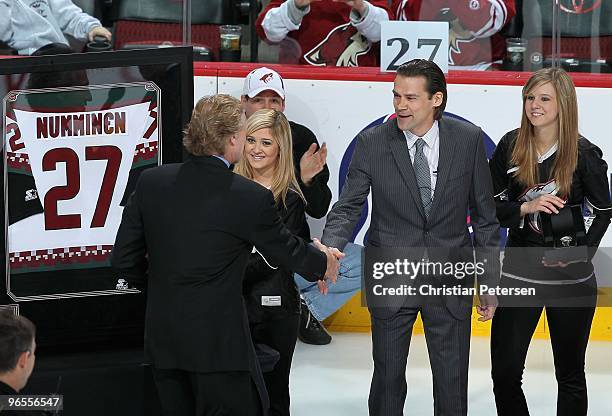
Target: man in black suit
column 189, row 228
column 17, row 357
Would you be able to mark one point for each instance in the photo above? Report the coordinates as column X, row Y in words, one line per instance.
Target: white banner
column 401, row 42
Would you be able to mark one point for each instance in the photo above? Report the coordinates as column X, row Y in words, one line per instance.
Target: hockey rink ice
column 334, row 379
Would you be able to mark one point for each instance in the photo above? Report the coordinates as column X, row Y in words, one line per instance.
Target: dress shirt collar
column 430, row 137
column 223, row 159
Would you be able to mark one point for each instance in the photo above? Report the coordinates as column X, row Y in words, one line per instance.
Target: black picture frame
column 103, row 320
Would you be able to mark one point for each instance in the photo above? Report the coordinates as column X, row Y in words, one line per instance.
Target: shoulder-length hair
column 284, row 172
column 524, row 154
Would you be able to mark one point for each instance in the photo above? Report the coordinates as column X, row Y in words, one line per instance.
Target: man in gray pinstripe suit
column 425, row 172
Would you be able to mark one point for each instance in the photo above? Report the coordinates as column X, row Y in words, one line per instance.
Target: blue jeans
column 348, row 283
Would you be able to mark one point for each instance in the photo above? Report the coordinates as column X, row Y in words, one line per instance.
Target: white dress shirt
column 431, row 150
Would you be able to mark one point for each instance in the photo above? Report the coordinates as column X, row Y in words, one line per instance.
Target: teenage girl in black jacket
column 271, row 296
column 539, row 168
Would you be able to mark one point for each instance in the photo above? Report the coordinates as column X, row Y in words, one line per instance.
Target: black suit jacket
column 189, row 228
column 7, row 390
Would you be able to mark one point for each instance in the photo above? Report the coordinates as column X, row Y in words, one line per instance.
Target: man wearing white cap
column 265, row 88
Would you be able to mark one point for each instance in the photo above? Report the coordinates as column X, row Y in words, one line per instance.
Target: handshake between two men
column 333, row 264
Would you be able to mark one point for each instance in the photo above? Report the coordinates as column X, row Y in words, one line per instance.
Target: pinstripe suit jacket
column 381, row 164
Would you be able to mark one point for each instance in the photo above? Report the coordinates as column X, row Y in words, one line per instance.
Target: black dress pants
column 280, row 334
column 511, row 334
column 183, row 393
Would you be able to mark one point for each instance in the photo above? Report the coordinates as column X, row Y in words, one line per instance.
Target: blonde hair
column 284, row 177
column 214, row 120
column 524, row 154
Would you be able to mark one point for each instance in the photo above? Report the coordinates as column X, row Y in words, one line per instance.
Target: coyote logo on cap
column 341, row 47
column 267, row 78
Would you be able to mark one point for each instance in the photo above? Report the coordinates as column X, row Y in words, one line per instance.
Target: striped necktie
column 423, row 176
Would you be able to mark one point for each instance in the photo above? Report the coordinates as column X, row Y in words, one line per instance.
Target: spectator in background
column 325, row 33
column 17, row 352
column 585, row 28
column 474, row 26
column 28, row 25
column 265, row 88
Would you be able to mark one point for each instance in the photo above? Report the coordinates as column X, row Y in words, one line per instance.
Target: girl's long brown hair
column 524, row 154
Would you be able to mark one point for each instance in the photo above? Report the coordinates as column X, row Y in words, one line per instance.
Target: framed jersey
column 76, row 132
column 72, row 157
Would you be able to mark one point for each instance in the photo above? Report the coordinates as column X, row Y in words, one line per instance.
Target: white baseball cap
column 262, row 79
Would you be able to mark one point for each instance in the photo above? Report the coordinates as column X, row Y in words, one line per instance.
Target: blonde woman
column 538, row 169
column 270, row 293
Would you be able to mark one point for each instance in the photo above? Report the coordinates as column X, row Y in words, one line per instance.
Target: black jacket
column 6, row 390
column 264, row 279
column 318, row 195
column 589, row 188
column 189, row 229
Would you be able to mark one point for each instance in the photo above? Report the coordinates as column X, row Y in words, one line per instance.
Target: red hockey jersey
column 326, row 37
column 474, row 37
